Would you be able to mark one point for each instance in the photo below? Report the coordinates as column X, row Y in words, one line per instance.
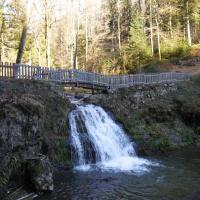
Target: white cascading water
column 97, row 141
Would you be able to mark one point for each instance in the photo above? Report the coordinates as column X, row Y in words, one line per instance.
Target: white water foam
column 99, row 142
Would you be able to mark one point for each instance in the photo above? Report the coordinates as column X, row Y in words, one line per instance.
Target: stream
column 177, row 177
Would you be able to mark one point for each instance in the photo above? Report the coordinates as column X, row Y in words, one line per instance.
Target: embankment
column 33, row 130
column 159, row 117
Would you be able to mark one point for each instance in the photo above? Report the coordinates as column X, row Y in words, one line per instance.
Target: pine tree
column 138, row 53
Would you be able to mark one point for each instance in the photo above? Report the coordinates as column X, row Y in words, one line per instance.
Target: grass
column 171, row 62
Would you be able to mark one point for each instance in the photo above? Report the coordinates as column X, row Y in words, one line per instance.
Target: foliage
column 138, row 53
column 174, row 47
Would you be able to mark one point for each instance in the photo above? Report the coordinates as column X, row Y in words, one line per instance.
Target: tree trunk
column 86, row 34
column 113, row 40
column 22, row 44
column 151, row 29
column 188, row 25
column 47, row 37
column 158, row 38
column 76, row 33
column 48, row 50
column 143, row 11
column 74, row 37
column 170, row 21
column 38, row 49
column 39, row 56
column 1, row 47
column 119, row 25
column 75, row 52
column 2, row 41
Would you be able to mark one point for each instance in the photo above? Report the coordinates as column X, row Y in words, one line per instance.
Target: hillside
column 33, row 118
column 160, row 117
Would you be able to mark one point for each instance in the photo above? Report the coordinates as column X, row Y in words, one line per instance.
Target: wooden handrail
column 20, row 71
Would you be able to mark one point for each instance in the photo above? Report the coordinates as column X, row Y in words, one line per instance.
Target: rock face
column 159, row 117
column 33, row 128
column 41, row 174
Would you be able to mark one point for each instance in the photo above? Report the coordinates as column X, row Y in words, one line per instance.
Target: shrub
column 174, row 47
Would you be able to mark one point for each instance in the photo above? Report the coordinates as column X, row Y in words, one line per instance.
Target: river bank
column 33, row 131
column 177, row 178
column 159, row 118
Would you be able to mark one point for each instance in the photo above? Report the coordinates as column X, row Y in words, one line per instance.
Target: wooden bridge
column 88, row 80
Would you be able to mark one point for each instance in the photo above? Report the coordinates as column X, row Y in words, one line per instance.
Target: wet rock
column 40, row 172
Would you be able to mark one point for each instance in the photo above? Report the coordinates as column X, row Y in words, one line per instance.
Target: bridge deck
column 87, row 79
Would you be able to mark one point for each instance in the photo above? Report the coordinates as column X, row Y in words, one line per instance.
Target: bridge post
column 16, row 71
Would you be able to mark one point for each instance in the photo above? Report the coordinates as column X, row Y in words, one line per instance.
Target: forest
column 107, row 36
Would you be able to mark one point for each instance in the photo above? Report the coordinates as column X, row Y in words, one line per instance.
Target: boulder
column 40, row 172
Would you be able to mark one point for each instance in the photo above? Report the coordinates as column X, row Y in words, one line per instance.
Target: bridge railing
column 8, row 70
column 151, row 78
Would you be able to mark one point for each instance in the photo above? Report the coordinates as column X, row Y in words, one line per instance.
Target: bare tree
column 143, row 11
column 119, row 25
column 22, row 44
column 26, row 18
column 49, row 20
column 151, row 27
column 86, row 33
column 2, row 39
column 170, row 20
column 158, row 29
column 188, row 24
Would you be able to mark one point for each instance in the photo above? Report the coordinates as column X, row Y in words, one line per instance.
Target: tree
column 86, row 33
column 119, row 24
column 151, row 27
column 158, row 29
column 2, row 30
column 138, row 51
column 49, row 20
column 22, row 43
column 188, row 24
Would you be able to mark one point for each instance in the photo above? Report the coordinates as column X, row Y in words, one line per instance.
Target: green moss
column 165, row 141
column 188, row 137
column 60, row 152
column 3, row 179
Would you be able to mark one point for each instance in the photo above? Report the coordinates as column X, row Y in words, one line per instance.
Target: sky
column 61, row 7
column 64, row 6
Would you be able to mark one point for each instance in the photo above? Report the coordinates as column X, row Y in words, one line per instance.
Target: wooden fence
column 6, row 70
column 90, row 79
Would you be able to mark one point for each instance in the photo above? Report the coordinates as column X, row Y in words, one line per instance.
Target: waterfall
column 98, row 141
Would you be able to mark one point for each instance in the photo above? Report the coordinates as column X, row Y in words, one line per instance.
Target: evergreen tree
column 138, row 53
